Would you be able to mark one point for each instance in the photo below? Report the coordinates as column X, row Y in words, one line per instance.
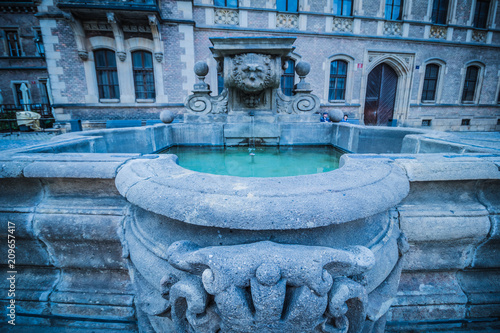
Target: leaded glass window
column 287, row 5
column 430, row 82
column 481, row 13
column 342, row 7
column 144, row 81
column 338, row 79
column 226, row 3
column 470, row 84
column 393, row 9
column 439, row 11
column 13, row 43
column 107, row 76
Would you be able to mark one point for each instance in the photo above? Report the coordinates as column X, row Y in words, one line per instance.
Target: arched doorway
column 380, row 99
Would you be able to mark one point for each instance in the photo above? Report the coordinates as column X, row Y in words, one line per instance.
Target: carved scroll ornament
column 267, row 287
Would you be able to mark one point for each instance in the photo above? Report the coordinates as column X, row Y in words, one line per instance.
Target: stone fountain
column 213, row 253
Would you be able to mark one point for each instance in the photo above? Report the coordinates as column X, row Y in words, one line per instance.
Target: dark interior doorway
column 380, row 95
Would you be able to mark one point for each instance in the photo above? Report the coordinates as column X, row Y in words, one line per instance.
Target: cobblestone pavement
column 23, row 139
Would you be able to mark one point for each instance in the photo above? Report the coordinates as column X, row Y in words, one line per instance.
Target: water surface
column 259, row 161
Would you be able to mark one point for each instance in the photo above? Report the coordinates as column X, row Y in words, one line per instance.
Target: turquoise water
column 258, row 162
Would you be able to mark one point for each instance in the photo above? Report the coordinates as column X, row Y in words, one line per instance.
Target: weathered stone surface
column 272, row 203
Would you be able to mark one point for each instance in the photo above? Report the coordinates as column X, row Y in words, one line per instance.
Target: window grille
column 144, row 82
column 338, row 79
column 107, row 76
column 430, row 82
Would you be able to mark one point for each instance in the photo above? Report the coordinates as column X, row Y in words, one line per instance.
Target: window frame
column 349, row 84
column 479, row 82
column 38, row 40
column 225, row 5
column 17, row 42
column 430, row 79
column 342, row 7
column 465, row 89
column 475, row 14
column 401, row 10
column 287, row 5
column 144, row 72
column 289, row 76
column 337, row 76
column 108, row 69
column 435, row 10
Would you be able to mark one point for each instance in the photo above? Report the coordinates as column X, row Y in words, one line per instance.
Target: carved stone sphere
column 166, row 116
column 201, row 68
column 335, row 115
column 303, row 68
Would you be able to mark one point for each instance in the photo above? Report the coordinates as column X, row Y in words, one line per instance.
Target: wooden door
column 380, row 95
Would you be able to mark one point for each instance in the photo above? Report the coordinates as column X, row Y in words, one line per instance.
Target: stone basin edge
column 359, row 189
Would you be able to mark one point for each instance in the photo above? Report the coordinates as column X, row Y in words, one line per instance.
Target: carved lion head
column 252, row 72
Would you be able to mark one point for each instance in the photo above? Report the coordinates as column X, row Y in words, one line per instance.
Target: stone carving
column 243, row 288
column 289, row 21
column 251, row 72
column 159, row 56
column 303, row 100
column 437, row 32
column 479, row 36
column 393, row 28
column 97, row 26
column 226, row 16
column 136, row 28
column 121, row 55
column 341, row 24
column 84, row 55
column 201, row 102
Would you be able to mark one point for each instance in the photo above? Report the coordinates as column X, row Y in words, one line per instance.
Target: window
column 226, row 3
column 481, row 13
column 13, row 44
column 144, row 82
column 107, row 76
column 426, row 122
column 439, row 11
column 288, row 78
column 393, row 9
column 18, row 94
column 465, row 122
column 39, row 42
column 470, row 84
column 342, row 7
column 287, row 5
column 338, row 78
column 430, row 83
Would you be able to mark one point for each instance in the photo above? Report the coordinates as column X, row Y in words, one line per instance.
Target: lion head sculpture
column 252, row 72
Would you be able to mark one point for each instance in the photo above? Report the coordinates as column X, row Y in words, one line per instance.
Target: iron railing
column 116, row 4
column 8, row 119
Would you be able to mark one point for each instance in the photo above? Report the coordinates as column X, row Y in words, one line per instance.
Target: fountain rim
column 255, row 203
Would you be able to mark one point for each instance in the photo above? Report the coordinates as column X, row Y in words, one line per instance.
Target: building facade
column 431, row 63
column 24, row 79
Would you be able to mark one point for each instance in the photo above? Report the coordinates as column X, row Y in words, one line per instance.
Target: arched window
column 393, row 9
column 338, row 78
column 439, row 11
column 470, row 84
column 107, row 76
column 287, row 5
column 144, row 81
column 430, row 83
column 288, row 78
column 342, row 7
column 226, row 3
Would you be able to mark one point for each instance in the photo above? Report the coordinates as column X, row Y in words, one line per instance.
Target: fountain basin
column 334, row 197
